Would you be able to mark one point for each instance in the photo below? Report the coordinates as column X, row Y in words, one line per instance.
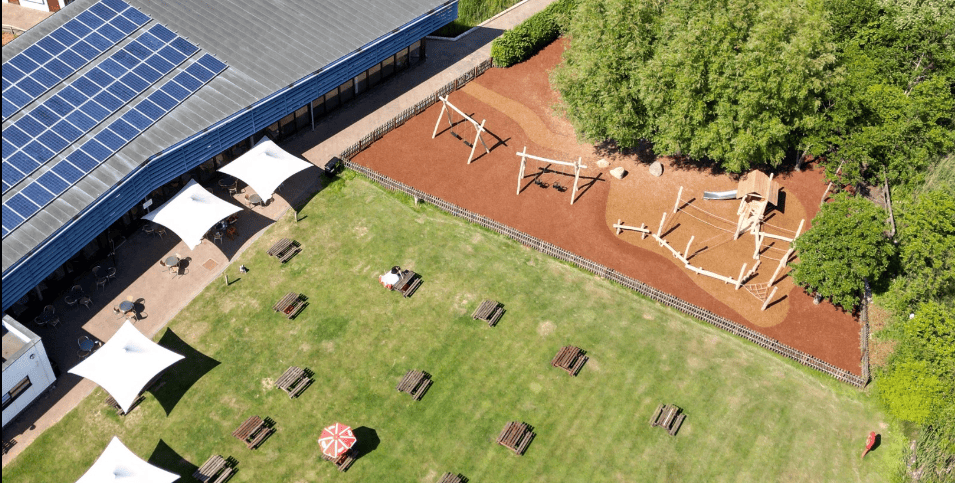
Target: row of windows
column 303, row 117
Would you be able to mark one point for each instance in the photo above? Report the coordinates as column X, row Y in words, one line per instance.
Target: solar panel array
column 37, row 137
column 34, row 71
column 32, row 198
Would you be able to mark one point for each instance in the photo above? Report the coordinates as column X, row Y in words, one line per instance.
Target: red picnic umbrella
column 336, row 439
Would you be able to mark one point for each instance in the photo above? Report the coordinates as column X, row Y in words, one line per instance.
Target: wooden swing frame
column 447, row 107
column 576, row 165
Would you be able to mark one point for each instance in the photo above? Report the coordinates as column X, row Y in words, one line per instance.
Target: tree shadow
column 366, row 441
column 182, row 375
column 163, row 456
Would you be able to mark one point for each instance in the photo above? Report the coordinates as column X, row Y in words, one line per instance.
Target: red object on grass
column 336, row 439
column 869, row 444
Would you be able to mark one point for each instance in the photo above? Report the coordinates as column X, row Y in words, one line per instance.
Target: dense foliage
column 471, row 13
column 864, row 83
column 532, row 35
column 845, row 245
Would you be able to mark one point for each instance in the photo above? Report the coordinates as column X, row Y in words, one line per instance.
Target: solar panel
column 76, row 28
column 31, row 126
column 67, row 130
column 73, row 96
column 31, row 87
column 110, row 139
column 175, row 90
column 38, row 194
column 21, row 204
column 50, row 45
column 22, row 162
column 64, row 36
column 211, row 63
column 10, row 219
column 112, row 67
column 82, row 161
column 36, row 54
column 94, row 111
column 58, row 105
column 172, row 55
column 45, row 78
column 122, row 92
column 124, row 129
column 16, row 136
column 184, row 46
column 72, row 59
column 96, row 150
column 135, row 16
column 52, row 141
column 86, row 49
column 147, row 73
column 16, row 97
column 67, row 172
column 109, row 101
column 137, row 119
column 102, row 11
column 12, row 74
column 123, row 25
column 111, row 33
column 52, row 182
column 134, row 81
column 150, row 109
column 81, row 121
column 37, row 151
column 200, row 72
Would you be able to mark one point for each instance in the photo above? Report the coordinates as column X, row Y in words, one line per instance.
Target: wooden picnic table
column 293, row 381
column 407, row 283
column 570, row 359
column 489, row 311
column 669, row 417
column 216, row 469
column 111, row 402
column 516, row 436
column 344, row 461
column 290, row 305
column 285, row 249
column 450, row 478
column 415, row 383
column 252, row 432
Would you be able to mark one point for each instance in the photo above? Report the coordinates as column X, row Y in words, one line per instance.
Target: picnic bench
column 216, row 469
column 111, row 402
column 344, row 461
column 253, row 431
column 415, row 383
column 290, row 305
column 516, row 436
column 570, row 359
column 285, row 249
column 294, row 381
column 669, row 417
column 489, row 311
column 407, row 283
column 449, row 478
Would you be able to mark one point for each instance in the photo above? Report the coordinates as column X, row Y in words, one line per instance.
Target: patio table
column 126, row 306
column 172, row 261
column 255, row 199
column 86, row 345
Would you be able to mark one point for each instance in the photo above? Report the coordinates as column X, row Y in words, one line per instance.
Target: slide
column 719, row 195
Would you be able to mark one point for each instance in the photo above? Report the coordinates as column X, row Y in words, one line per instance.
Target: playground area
column 495, row 147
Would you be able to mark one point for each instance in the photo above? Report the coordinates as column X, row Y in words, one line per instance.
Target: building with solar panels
column 108, row 103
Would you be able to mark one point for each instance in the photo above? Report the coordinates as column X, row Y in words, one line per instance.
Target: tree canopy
column 845, row 245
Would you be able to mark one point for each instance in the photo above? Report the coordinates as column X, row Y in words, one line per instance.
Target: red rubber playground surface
column 517, row 104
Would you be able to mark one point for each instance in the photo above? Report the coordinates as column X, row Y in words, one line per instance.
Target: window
column 331, row 100
column 361, row 83
column 287, row 126
column 302, row 118
column 374, row 75
column 416, row 52
column 387, row 67
column 318, row 106
column 346, row 91
column 401, row 60
column 16, row 391
column 273, row 131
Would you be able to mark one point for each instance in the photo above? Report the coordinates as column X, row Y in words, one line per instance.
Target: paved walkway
column 136, row 260
column 20, row 19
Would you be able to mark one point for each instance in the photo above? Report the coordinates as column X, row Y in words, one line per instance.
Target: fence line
column 581, row 262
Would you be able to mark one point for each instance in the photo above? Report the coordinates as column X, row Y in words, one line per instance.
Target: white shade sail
column 118, row 463
column 125, row 364
column 192, row 212
column 265, row 167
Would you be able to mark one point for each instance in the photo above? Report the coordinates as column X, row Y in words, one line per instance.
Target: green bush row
column 532, row 35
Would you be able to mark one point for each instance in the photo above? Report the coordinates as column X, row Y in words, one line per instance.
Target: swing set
column 447, row 107
column 576, row 165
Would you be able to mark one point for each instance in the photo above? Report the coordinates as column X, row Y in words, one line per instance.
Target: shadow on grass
column 182, row 375
column 366, row 440
column 168, row 459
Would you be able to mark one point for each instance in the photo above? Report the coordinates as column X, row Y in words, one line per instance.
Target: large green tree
column 845, row 245
column 734, row 81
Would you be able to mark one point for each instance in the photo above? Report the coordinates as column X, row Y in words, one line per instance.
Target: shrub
column 532, row 35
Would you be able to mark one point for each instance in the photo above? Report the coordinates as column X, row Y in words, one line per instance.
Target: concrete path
column 22, row 18
column 139, row 275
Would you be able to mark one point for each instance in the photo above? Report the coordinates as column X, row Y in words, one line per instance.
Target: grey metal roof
column 267, row 44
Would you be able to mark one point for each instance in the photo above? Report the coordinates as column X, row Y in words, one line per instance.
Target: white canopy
column 118, row 463
column 125, row 364
column 265, row 167
column 192, row 212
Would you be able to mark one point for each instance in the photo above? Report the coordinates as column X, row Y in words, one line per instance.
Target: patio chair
column 218, row 237
column 118, row 313
column 147, row 229
column 96, row 270
column 234, row 188
column 87, row 302
column 162, row 263
column 49, row 310
column 70, row 300
column 54, row 322
column 101, row 283
column 111, row 273
column 160, row 231
column 39, row 321
column 77, row 289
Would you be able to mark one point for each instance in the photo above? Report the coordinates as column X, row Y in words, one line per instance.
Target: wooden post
column 520, row 176
column 782, row 263
column 660, row 230
column 771, row 295
column 444, row 107
column 741, row 272
column 759, row 244
column 474, row 144
column 644, row 231
column 227, row 280
column 296, row 215
column 619, row 222
column 573, row 194
column 686, row 253
column 678, row 195
column 799, row 230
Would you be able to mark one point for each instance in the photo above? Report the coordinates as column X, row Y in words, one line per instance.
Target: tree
column 926, row 251
column 845, row 245
column 728, row 80
column 912, row 391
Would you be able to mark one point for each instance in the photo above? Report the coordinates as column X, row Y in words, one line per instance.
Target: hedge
column 532, row 35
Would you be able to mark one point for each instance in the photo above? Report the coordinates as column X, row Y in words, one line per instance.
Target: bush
column 532, row 35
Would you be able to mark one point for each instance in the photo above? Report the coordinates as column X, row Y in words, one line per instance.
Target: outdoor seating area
column 342, row 462
column 570, row 359
column 285, row 249
column 415, row 383
column 489, row 311
column 254, row 431
column 111, row 402
column 408, row 283
column 216, row 469
column 669, row 417
column 452, row 478
column 294, row 381
column 516, row 437
column 290, row 305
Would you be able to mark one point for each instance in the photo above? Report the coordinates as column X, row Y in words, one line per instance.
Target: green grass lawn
column 751, row 416
column 473, row 12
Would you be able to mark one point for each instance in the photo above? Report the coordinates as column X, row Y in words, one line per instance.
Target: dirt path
column 518, row 105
